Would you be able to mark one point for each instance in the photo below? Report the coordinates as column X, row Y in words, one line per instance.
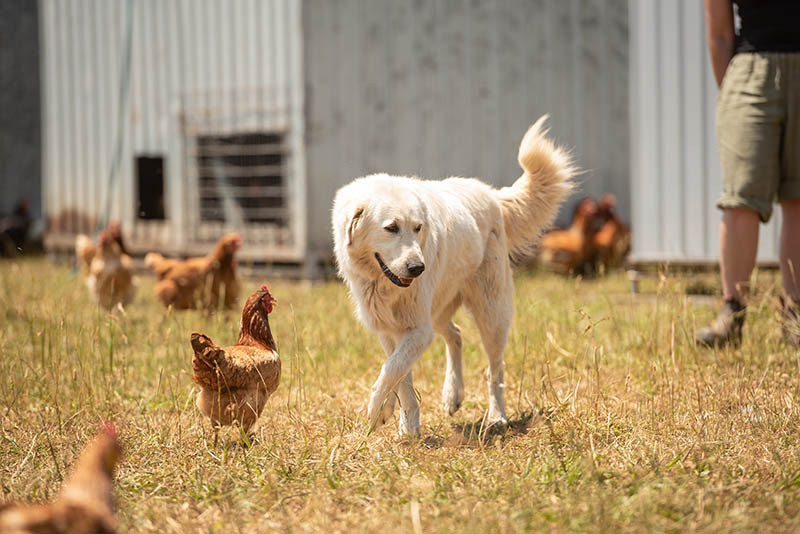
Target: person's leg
column 738, row 245
column 789, row 199
column 790, row 270
column 790, row 249
column 750, row 115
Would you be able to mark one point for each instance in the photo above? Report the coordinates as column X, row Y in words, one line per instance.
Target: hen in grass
column 182, row 283
column 570, row 250
column 108, row 268
column 85, row 504
column 236, row 381
column 612, row 242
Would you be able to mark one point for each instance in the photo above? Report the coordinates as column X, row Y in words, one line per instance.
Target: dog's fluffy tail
column 531, row 203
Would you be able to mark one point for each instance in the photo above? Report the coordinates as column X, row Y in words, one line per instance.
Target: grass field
column 618, row 422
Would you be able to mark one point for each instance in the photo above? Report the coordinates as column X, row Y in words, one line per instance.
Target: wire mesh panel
column 242, row 177
column 240, row 174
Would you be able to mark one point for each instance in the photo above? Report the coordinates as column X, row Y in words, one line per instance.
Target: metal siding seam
column 137, row 80
column 282, row 69
column 96, row 47
column 713, row 168
column 657, row 128
column 681, row 127
column 633, row 120
column 86, row 80
column 707, row 151
column 153, row 70
column 691, row 132
column 299, row 157
column 163, row 45
column 225, row 94
column 112, row 54
column 72, row 112
column 46, row 94
column 577, row 110
column 67, row 172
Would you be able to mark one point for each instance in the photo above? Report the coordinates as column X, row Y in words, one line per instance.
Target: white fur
column 464, row 232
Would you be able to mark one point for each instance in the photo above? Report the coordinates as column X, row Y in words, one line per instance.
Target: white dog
column 412, row 251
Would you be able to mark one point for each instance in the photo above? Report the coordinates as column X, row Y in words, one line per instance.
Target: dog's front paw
column 452, row 395
column 408, row 429
column 500, row 422
column 496, row 419
column 408, row 426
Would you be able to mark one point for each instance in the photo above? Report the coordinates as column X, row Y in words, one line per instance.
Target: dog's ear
column 351, row 226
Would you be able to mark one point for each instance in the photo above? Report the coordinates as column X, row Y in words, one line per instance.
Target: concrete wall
column 447, row 87
column 20, row 167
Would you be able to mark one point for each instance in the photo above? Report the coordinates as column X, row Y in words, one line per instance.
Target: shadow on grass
column 480, row 434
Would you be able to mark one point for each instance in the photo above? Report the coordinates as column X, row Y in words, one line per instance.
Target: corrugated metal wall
column 196, row 65
column 675, row 172
column 448, row 87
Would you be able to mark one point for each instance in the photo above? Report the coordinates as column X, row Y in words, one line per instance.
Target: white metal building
column 675, row 172
column 248, row 114
column 210, row 95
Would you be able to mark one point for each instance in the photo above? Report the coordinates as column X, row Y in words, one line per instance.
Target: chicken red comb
column 270, row 300
column 109, row 428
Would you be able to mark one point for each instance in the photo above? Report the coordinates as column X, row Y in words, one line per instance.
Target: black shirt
column 768, row 26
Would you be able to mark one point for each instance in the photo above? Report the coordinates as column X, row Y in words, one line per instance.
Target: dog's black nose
column 415, row 268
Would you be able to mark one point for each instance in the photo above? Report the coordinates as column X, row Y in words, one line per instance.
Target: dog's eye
column 417, row 228
column 393, row 228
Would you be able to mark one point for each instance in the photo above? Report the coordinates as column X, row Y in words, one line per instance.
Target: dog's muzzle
column 396, row 280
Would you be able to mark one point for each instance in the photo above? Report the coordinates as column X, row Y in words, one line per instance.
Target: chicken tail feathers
column 206, row 358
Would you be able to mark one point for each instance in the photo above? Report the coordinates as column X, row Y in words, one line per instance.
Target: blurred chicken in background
column 568, row 251
column 108, row 270
column 185, row 283
column 596, row 241
column 612, row 241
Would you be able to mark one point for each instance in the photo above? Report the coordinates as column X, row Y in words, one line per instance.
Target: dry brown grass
column 618, row 422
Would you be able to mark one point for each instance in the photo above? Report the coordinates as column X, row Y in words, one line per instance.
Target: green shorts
column 758, row 131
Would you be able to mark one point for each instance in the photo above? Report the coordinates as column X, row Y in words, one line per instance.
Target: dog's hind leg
column 491, row 304
column 453, row 389
column 494, row 335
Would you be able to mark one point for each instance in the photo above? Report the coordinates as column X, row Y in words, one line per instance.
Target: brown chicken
column 612, row 242
column 85, row 249
column 224, row 273
column 159, row 264
column 109, row 271
column 85, row 504
column 236, row 381
column 84, row 252
column 182, row 283
column 567, row 251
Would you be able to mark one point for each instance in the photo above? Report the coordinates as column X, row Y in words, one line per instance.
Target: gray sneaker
column 726, row 328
